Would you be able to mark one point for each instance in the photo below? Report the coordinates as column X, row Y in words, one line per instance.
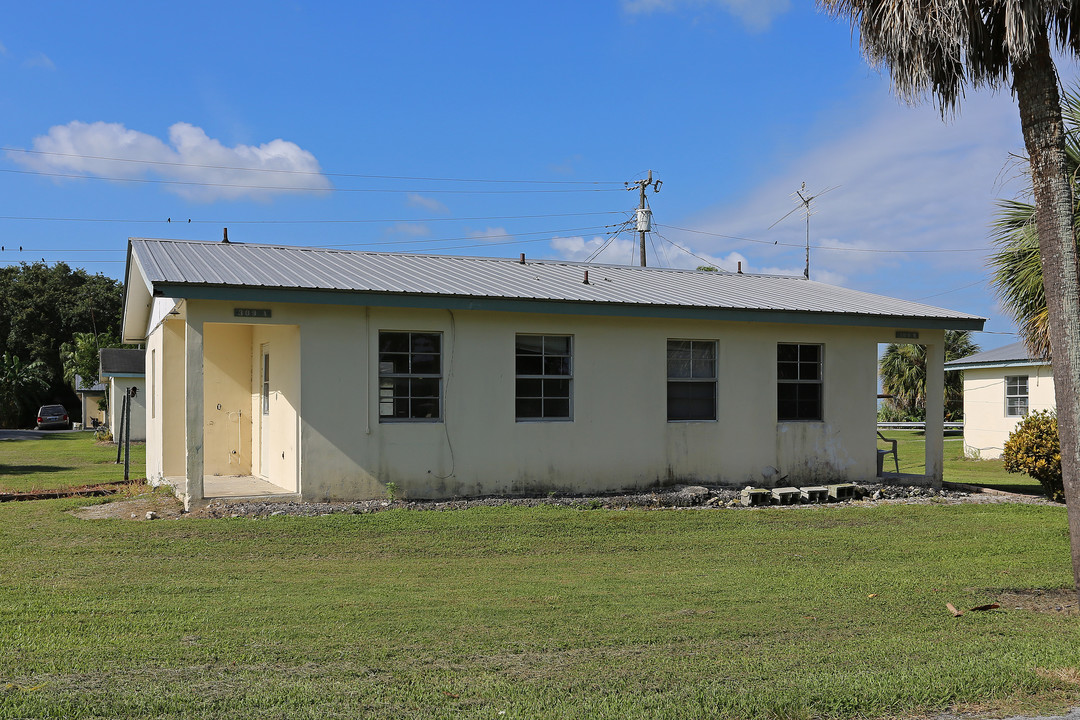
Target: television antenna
column 804, row 199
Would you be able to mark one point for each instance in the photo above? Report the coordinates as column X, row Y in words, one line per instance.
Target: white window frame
column 819, row 381
column 692, row 380
column 387, row 378
column 543, row 377
column 153, row 384
column 1013, row 395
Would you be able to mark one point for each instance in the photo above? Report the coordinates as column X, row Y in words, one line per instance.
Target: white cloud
column 409, row 229
column 906, row 181
column 490, row 233
column 567, row 166
column 415, row 200
column 38, row 60
column 756, row 14
column 190, row 156
column 618, row 251
column 3, row 49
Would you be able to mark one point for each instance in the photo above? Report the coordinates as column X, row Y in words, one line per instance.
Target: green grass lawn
column 988, row 473
column 531, row 613
column 61, row 460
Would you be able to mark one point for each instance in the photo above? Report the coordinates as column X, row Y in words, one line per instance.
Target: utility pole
column 644, row 214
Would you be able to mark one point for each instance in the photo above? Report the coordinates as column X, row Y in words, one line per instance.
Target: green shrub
column 1033, row 448
column 888, row 412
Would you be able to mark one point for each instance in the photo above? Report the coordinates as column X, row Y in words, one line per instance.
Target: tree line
column 49, row 314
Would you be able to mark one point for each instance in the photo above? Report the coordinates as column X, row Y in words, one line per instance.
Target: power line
column 946, row 292
column 688, row 252
column 416, row 241
column 473, row 245
column 152, row 181
column 596, row 253
column 475, row 237
column 190, row 221
column 819, row 247
column 308, row 172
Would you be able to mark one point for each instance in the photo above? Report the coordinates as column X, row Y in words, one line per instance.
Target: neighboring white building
column 329, row 374
column 121, row 371
column 89, row 398
column 1001, row 386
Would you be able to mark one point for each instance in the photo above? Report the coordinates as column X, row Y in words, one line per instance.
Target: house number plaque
column 909, row 334
column 251, row 312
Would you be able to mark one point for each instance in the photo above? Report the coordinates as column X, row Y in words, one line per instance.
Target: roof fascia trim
column 133, row 265
column 558, row 307
column 1000, row 364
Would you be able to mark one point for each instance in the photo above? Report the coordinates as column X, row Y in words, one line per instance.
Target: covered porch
column 933, row 341
column 230, row 420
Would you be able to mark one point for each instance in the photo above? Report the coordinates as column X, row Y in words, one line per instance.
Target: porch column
column 193, row 416
column 935, row 408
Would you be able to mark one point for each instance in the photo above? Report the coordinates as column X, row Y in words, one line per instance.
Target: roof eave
column 136, row 311
column 195, row 291
column 999, row 364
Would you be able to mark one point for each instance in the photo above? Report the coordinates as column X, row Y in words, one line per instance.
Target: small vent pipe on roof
column 522, row 260
column 225, row 235
column 586, row 280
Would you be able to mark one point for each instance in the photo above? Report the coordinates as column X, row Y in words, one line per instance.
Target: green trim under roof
column 453, row 302
column 1001, row 364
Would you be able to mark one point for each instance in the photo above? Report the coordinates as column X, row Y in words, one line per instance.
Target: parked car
column 53, row 417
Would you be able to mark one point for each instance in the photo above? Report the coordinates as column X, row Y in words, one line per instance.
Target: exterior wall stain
column 618, row 438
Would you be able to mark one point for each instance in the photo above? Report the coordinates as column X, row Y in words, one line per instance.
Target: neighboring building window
column 265, row 380
column 691, row 386
column 543, row 365
column 153, row 383
column 798, row 382
column 1016, row 395
column 410, row 376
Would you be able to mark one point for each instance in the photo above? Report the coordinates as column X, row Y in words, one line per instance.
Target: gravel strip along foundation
column 692, row 497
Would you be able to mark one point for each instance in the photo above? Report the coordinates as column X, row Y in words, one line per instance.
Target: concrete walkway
column 1073, row 714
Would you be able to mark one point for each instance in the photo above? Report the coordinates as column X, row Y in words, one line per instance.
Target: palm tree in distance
column 20, row 383
column 1017, row 272
column 903, row 375
column 939, row 48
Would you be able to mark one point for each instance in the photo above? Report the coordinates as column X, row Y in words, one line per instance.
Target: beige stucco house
column 1001, row 386
column 90, row 398
column 122, row 370
column 329, row 374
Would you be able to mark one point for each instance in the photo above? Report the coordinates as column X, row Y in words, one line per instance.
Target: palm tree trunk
column 1035, row 83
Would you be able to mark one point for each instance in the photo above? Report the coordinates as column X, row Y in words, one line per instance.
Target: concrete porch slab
column 232, row 486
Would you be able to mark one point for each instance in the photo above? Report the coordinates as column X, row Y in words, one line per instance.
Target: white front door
column 264, row 418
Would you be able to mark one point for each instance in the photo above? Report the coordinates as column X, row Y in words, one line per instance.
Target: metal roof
column 80, row 386
column 1014, row 354
column 121, row 361
column 170, row 266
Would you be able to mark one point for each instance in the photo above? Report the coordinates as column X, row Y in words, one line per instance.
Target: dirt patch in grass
column 136, row 508
column 1062, row 601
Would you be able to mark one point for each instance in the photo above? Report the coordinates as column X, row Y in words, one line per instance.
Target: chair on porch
column 882, row 453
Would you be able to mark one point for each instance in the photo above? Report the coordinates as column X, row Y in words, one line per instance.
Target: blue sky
column 732, row 103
